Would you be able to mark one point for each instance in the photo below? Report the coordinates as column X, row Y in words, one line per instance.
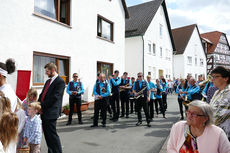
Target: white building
column 86, row 37
column 149, row 44
column 190, row 57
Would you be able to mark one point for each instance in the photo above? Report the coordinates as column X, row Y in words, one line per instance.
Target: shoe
column 138, row 123
column 148, row 125
column 103, row 125
column 112, row 118
column 80, row 122
column 182, row 118
column 94, row 125
column 127, row 116
column 68, row 123
column 122, row 116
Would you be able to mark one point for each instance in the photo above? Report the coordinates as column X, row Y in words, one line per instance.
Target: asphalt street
column 118, row 137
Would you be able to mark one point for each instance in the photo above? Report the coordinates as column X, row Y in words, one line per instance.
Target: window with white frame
column 161, row 52
column 201, row 62
column 189, row 58
column 150, row 48
column 154, row 49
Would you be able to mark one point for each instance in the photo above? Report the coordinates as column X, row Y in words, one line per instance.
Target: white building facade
column 192, row 59
column 149, row 51
column 85, row 37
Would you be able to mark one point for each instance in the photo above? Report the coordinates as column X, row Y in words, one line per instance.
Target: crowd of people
column 206, row 102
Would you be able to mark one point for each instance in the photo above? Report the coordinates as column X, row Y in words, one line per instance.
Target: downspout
column 143, row 56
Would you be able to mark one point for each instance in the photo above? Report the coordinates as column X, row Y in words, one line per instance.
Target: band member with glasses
column 125, row 86
column 75, row 89
column 152, row 97
column 115, row 83
column 101, row 91
column 141, row 90
column 158, row 100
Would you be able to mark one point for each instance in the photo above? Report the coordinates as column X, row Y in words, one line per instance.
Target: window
column 55, row 9
column 104, row 28
column 201, row 62
column 154, row 49
column 189, row 60
column 161, row 30
column 195, row 61
column 41, row 59
column 106, row 68
column 149, row 46
column 161, row 52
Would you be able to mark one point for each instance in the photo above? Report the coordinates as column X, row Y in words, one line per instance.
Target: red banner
column 23, row 83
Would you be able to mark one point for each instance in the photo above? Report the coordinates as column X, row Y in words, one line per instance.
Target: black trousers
column 109, row 105
column 124, row 103
column 142, row 102
column 52, row 139
column 180, row 102
column 100, row 104
column 160, row 102
column 77, row 101
column 164, row 99
column 151, row 108
column 115, row 105
column 132, row 103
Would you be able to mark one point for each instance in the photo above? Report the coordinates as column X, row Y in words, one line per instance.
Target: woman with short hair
column 198, row 134
column 220, row 101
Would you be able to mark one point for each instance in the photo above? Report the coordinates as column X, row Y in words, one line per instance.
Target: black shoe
column 148, row 125
column 103, row 125
column 68, row 123
column 94, row 125
column 165, row 117
column 127, row 116
column 122, row 116
column 138, row 123
column 80, row 122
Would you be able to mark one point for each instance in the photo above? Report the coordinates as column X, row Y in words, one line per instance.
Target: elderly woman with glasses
column 198, row 134
column 220, row 101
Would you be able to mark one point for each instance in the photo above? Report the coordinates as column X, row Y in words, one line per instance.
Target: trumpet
column 140, row 93
column 124, row 86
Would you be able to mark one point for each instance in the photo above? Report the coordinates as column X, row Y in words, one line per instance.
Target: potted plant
column 66, row 110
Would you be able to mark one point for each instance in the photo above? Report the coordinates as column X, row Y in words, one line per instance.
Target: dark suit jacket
column 52, row 104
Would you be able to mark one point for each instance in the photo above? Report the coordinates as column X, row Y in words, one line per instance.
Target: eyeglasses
column 75, row 76
column 193, row 114
column 214, row 77
column 139, row 76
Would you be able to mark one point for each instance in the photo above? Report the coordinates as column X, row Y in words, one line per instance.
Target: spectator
column 31, row 96
column 198, row 134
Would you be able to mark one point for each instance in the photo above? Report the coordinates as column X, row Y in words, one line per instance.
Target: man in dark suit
column 51, row 102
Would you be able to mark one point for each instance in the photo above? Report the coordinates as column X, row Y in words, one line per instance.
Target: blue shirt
column 33, row 130
column 159, row 96
column 124, row 80
column 152, row 86
column 182, row 89
column 75, row 85
column 192, row 90
column 101, row 84
column 140, row 85
column 116, row 83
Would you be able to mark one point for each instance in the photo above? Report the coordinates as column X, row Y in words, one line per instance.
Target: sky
column 209, row 15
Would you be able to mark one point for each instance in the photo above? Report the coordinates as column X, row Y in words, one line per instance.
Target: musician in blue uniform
column 115, row 83
column 75, row 89
column 164, row 93
column 181, row 88
column 125, row 86
column 193, row 91
column 101, row 92
column 153, row 89
column 141, row 90
column 131, row 97
column 158, row 100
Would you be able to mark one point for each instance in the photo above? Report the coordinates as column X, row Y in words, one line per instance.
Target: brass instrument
column 140, row 93
column 203, row 83
column 186, row 101
column 124, row 86
column 103, row 90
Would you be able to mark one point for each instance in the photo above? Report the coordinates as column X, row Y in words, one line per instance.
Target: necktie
column 45, row 90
